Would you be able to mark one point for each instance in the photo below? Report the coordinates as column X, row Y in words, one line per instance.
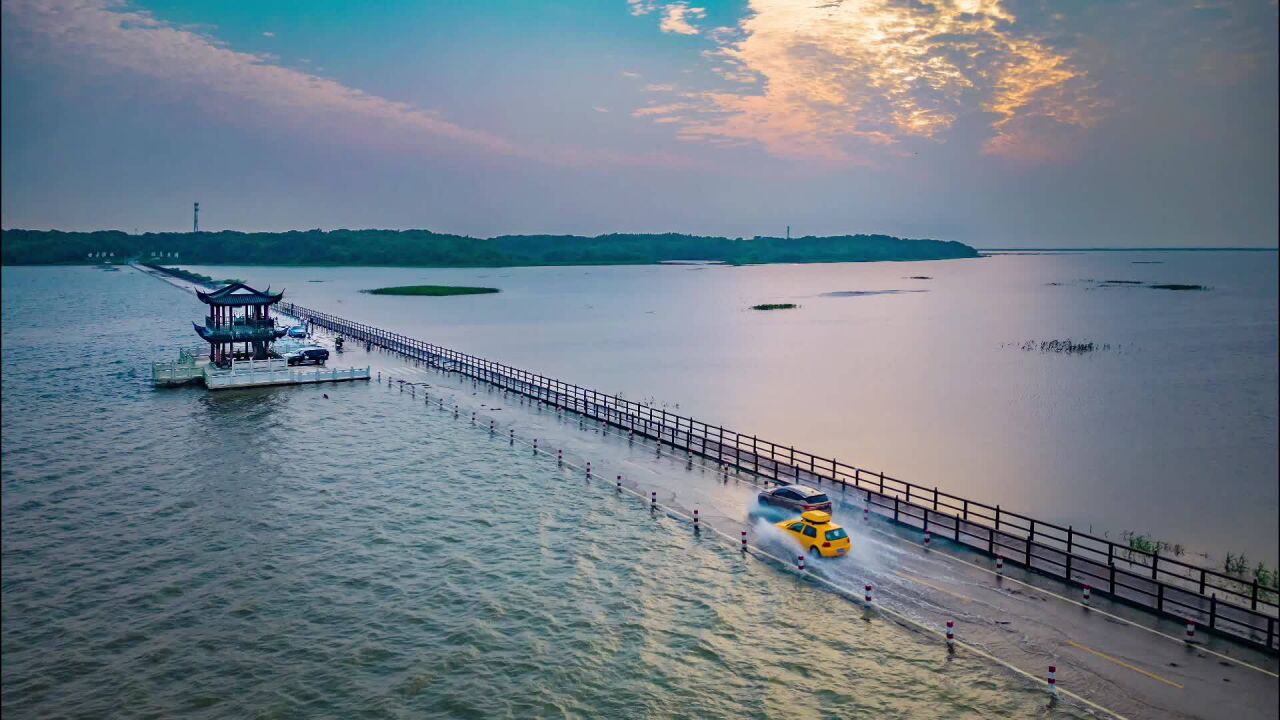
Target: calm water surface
column 273, row 553
column 1172, row 431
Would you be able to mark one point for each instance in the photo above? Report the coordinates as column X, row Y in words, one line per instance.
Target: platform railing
column 1228, row 605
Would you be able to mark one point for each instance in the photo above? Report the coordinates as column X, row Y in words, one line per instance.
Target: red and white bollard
column 744, row 541
column 800, row 563
column 473, row 418
column 1087, row 593
column 560, row 457
column 619, row 483
column 866, row 593
column 512, row 440
column 492, row 426
column 1000, row 563
column 866, row 514
column 588, row 468
column 1053, row 679
column 696, row 528
column 653, row 498
column 928, row 537
column 535, row 446
column 1191, row 631
column 951, row 634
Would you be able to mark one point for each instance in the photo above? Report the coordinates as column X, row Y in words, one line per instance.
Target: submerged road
column 1115, row 660
column 1111, row 659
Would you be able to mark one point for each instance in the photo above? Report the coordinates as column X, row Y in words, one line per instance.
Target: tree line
column 424, row 248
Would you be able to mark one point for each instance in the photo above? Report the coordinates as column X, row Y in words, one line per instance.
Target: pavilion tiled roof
column 237, row 294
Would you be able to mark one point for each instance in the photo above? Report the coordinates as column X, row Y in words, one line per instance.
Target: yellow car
column 818, row 534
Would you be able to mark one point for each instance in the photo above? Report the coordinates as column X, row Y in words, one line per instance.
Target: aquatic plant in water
column 1066, row 347
column 775, row 306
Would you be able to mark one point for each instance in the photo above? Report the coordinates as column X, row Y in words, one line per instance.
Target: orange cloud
column 826, row 81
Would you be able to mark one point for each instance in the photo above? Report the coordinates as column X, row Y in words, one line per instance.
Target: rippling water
column 1172, row 429
column 274, row 553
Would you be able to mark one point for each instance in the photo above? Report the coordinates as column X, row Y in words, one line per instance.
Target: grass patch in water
column 1177, row 286
column 775, row 306
column 431, row 290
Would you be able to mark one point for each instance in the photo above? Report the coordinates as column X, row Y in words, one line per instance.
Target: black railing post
column 1030, row 539
column 1111, row 580
column 1213, row 613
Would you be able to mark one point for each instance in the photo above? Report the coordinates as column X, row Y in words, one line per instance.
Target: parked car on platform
column 796, row 497
column 818, row 535
column 307, row 356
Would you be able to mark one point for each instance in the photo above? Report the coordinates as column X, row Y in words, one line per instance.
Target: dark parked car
column 800, row 498
column 307, row 356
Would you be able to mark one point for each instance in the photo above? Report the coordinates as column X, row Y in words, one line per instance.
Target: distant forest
column 422, row 248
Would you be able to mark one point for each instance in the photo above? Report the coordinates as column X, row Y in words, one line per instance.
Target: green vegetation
column 775, row 306
column 1142, row 545
column 421, row 248
column 1149, row 545
column 192, row 276
column 431, row 290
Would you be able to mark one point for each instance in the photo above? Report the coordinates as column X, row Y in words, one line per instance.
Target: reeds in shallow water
column 1066, row 347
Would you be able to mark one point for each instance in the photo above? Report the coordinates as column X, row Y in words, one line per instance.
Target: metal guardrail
column 1171, row 587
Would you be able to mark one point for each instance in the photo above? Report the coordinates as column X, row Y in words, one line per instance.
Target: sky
column 999, row 123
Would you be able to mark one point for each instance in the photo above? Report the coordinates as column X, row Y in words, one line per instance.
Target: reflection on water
column 1176, row 436
column 276, row 553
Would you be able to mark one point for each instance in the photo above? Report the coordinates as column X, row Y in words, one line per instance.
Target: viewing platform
column 242, row 351
column 190, row 369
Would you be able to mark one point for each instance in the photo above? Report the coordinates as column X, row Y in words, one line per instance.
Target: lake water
column 1171, row 431
column 277, row 553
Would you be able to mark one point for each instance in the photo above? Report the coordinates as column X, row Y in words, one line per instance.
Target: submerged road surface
column 1114, row 659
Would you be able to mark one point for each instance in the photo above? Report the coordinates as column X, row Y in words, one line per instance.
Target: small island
column 775, row 306
column 431, row 290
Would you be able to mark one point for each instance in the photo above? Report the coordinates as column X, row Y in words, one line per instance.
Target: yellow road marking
column 928, row 584
column 1124, row 664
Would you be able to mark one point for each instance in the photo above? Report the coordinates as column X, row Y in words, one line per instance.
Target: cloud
column 599, row 109
column 676, row 16
column 629, row 74
column 248, row 88
column 659, row 87
column 833, row 81
column 268, row 34
column 642, row 7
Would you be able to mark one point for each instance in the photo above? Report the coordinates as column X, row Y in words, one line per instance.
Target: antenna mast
column 195, row 219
